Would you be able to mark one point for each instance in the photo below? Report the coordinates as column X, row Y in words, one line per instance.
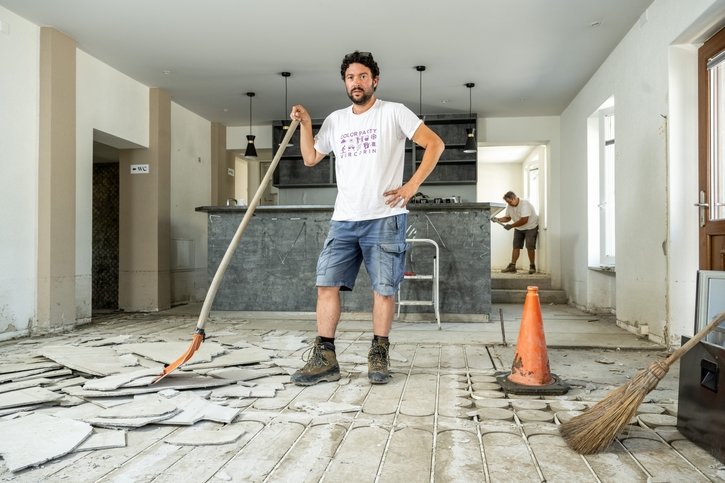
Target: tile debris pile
column 86, row 395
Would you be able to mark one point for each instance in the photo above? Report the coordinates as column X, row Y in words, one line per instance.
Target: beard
column 364, row 96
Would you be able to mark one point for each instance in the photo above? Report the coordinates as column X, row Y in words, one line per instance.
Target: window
column 716, row 73
column 601, row 163
column 532, row 184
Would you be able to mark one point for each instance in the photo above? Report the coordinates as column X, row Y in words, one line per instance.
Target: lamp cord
column 250, row 115
column 420, row 93
column 469, row 102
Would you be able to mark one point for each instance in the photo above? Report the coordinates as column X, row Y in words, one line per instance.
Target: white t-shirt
column 369, row 153
column 524, row 208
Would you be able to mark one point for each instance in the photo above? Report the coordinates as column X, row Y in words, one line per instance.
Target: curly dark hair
column 357, row 57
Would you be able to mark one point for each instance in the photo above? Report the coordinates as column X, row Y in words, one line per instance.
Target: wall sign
column 140, row 169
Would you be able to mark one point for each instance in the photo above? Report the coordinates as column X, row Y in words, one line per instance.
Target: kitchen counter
column 273, row 269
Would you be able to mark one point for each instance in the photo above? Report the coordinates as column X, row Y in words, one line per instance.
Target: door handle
column 702, row 205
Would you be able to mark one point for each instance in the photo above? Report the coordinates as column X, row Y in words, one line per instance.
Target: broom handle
column 216, row 281
column 717, row 320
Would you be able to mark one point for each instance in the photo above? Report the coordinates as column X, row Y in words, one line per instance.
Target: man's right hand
column 299, row 113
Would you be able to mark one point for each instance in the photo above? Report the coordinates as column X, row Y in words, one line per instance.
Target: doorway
column 105, row 229
column 520, row 168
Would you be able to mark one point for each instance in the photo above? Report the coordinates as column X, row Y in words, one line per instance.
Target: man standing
column 370, row 216
column 526, row 223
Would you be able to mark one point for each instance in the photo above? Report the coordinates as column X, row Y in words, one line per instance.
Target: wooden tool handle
column 216, row 281
column 717, row 320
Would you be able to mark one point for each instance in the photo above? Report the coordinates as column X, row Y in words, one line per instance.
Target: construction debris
column 101, row 387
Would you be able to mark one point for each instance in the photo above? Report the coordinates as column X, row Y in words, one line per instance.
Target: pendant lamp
column 471, row 145
column 251, row 151
column 285, row 118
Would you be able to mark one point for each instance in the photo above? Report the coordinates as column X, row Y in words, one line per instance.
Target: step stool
column 432, row 277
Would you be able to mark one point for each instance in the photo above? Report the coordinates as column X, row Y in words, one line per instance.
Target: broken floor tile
column 21, row 409
column 194, row 408
column 80, row 412
column 206, row 437
column 27, row 396
column 176, row 380
column 115, row 381
column 71, row 381
column 97, row 361
column 35, row 439
column 119, row 339
column 262, row 390
column 129, row 422
column 129, row 360
column 140, row 408
column 104, row 439
column 168, row 352
column 6, row 368
column 50, row 374
column 14, row 386
column 109, row 402
column 70, row 401
column 23, row 375
column 239, row 357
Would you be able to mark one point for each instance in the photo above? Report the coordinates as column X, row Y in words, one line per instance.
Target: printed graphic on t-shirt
column 358, row 143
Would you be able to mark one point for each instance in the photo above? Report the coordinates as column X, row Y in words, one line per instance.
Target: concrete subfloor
column 442, row 417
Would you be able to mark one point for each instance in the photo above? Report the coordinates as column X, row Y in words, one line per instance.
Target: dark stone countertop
column 311, row 208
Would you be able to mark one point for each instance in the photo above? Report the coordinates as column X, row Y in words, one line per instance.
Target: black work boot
column 321, row 366
column 510, row 269
column 378, row 362
column 532, row 269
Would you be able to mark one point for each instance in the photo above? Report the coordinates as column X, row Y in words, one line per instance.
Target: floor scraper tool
column 199, row 334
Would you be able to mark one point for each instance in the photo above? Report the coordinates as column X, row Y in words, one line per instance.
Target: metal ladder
column 433, row 277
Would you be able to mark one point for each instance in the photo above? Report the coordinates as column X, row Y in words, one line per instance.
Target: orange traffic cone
column 530, row 373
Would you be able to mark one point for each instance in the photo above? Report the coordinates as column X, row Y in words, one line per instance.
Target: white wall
column 19, row 87
column 190, row 187
column 637, row 73
column 117, row 108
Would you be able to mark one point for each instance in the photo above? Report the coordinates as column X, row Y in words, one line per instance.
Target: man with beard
column 370, row 217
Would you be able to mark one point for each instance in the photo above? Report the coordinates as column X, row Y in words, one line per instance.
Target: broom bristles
column 594, row 430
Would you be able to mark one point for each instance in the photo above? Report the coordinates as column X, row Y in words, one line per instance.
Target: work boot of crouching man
column 321, row 365
column 379, row 362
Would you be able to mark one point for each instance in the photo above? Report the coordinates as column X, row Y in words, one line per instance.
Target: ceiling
column 526, row 57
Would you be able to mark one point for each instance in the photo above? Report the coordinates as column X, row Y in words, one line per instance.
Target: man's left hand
column 508, row 227
column 400, row 196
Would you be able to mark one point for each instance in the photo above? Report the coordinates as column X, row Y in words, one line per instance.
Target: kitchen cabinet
column 291, row 171
column 454, row 166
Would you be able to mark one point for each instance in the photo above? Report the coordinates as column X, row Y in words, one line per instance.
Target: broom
column 594, row 430
column 200, row 334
